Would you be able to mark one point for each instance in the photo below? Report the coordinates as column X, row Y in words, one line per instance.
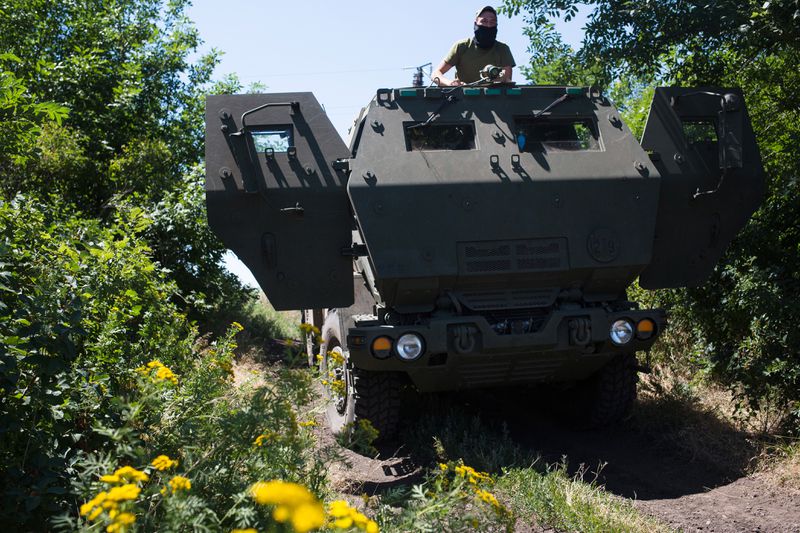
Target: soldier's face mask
column 485, row 36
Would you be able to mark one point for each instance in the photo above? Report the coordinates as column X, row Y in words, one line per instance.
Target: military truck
column 479, row 236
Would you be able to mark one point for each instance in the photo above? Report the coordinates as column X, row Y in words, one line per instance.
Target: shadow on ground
column 665, row 449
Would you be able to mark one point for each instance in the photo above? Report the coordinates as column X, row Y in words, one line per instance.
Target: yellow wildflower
column 488, row 497
column 97, row 511
column 308, row 516
column 281, row 514
column 443, row 467
column 345, row 517
column 125, row 519
column 165, row 374
column 308, row 424
column 280, row 493
column 336, row 357
column 110, row 478
column 338, row 387
column 248, row 530
column 469, row 473
column 236, row 325
column 264, row 438
column 128, row 473
column 343, row 523
column 180, row 483
column 162, row 462
column 124, row 492
column 338, row 509
column 162, row 373
column 293, row 502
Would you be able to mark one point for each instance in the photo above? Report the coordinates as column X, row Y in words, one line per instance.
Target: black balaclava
column 485, row 36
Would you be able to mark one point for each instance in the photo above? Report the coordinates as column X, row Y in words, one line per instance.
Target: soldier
column 470, row 55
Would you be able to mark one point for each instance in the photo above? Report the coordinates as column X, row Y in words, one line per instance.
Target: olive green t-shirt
column 469, row 59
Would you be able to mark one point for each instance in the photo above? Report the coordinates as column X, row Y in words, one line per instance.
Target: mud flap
column 275, row 199
column 702, row 143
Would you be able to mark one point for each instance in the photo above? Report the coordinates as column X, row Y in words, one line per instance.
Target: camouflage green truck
column 479, row 236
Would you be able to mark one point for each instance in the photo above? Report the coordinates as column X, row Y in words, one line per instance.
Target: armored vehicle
column 482, row 235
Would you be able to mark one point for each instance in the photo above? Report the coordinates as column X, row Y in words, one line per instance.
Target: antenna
column 416, row 80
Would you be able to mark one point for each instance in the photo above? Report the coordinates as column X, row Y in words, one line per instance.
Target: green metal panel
column 702, row 205
column 284, row 213
column 496, row 217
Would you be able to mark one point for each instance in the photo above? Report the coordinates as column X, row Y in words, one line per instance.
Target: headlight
column 409, row 346
column 621, row 332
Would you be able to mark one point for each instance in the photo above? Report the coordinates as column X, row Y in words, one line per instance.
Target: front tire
column 367, row 395
column 612, row 391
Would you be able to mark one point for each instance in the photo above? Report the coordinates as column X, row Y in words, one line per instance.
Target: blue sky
column 343, row 51
column 343, row 54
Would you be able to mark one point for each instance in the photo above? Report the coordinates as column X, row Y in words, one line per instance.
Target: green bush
column 80, row 305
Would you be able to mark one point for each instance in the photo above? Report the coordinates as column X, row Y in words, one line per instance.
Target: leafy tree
column 134, row 131
column 747, row 313
column 122, row 69
column 21, row 116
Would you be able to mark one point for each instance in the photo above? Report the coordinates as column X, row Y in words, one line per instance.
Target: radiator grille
column 508, row 299
column 484, row 374
column 532, row 255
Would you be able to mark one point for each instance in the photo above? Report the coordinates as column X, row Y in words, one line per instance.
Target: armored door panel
column 275, row 198
column 703, row 145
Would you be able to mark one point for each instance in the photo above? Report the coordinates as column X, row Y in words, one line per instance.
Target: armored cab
column 482, row 235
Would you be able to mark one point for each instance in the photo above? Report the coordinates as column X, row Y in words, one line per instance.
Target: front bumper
column 465, row 352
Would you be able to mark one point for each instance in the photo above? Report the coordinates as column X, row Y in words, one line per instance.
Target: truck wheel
column 364, row 395
column 612, row 391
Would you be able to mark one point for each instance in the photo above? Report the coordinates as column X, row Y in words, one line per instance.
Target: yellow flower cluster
column 162, row 462
column 489, row 498
column 110, row 502
column 293, row 503
column 264, row 438
column 475, row 478
column 162, row 373
column 248, row 530
column 237, row 326
column 176, row 484
column 125, row 474
column 337, row 386
column 309, row 329
column 471, row 475
column 336, row 357
column 344, row 517
column 224, row 365
column 120, row 521
column 308, row 424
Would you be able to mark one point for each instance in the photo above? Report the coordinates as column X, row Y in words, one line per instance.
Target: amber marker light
column 645, row 329
column 382, row 347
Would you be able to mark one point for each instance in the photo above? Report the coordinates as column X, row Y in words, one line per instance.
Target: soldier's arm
column 438, row 76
